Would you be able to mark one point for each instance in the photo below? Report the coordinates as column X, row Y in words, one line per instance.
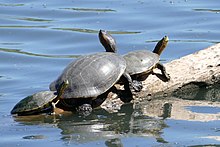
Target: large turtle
column 140, row 63
column 40, row 102
column 91, row 77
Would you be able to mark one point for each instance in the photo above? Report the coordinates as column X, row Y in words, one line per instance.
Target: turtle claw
column 137, row 85
column 167, row 77
column 85, row 109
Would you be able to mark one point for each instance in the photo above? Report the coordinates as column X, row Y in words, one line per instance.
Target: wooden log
column 195, row 76
column 191, row 76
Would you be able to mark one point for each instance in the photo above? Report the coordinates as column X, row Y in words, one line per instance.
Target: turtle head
column 62, row 88
column 161, row 45
column 107, row 41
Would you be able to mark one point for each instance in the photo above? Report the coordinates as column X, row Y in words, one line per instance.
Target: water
column 38, row 39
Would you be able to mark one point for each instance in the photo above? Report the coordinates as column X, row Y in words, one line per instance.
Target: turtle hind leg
column 130, row 87
column 137, row 84
column 165, row 76
column 85, row 109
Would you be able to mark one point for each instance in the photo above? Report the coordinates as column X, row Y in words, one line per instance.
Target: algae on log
column 195, row 76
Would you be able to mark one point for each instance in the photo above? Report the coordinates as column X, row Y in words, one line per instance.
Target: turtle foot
column 85, row 109
column 163, row 77
column 167, row 78
column 137, row 85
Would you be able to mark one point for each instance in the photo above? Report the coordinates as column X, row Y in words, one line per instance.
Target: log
column 194, row 77
column 191, row 76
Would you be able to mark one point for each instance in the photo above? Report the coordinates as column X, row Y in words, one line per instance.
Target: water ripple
column 187, row 41
column 34, row 19
column 207, row 10
column 18, row 51
column 20, row 26
column 11, row 5
column 96, row 31
column 90, row 9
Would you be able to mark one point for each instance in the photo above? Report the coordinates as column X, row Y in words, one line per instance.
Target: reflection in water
column 38, row 55
column 34, row 137
column 101, row 125
column 111, row 126
column 115, row 142
column 145, row 119
column 182, row 109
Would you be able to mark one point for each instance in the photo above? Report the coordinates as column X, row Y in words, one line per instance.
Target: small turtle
column 39, row 102
column 141, row 62
column 91, row 77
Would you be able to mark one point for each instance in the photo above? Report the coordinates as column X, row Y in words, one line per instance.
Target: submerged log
column 195, row 76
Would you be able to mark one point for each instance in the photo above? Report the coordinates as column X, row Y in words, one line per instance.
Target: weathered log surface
column 190, row 75
column 195, row 76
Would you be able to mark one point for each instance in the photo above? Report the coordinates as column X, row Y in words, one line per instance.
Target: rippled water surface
column 39, row 38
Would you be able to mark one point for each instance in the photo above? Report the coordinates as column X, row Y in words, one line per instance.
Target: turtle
column 39, row 102
column 140, row 63
column 91, row 77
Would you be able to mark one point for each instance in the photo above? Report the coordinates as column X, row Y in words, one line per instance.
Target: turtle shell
column 35, row 103
column 91, row 75
column 140, row 61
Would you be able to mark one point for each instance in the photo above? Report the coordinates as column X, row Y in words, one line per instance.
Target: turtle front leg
column 165, row 75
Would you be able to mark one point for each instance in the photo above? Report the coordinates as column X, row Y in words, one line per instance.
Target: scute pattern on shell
column 91, row 75
column 140, row 61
